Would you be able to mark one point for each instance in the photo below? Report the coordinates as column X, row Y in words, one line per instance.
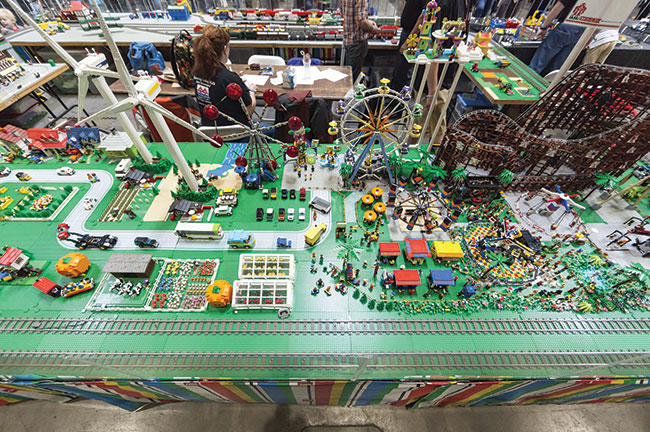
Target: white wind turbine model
column 95, row 68
column 143, row 94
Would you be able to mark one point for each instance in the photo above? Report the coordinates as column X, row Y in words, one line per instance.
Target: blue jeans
column 555, row 49
column 483, row 7
column 355, row 55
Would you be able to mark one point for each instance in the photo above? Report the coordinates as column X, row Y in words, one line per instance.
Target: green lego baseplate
column 507, row 329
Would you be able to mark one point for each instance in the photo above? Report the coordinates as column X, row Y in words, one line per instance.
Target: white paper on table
column 332, row 75
column 258, row 80
column 301, row 78
column 277, row 80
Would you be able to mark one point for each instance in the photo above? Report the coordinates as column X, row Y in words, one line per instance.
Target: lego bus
column 197, row 230
column 241, row 239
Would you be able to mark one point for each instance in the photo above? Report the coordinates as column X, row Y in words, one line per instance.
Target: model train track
column 423, row 362
column 315, row 326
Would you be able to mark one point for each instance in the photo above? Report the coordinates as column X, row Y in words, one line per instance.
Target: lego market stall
column 503, row 267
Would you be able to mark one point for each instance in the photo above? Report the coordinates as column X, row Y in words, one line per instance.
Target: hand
column 402, row 48
column 252, row 87
column 428, row 101
column 541, row 33
column 374, row 28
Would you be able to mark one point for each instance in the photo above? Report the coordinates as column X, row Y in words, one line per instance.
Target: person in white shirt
column 601, row 46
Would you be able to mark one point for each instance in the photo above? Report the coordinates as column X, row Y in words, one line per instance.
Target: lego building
column 447, row 250
column 130, row 265
column 416, row 251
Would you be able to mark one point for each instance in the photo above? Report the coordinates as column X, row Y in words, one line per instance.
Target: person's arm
column 415, row 29
column 548, row 22
column 361, row 16
column 253, row 95
column 248, row 95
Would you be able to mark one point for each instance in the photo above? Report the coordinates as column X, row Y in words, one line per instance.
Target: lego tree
column 348, row 252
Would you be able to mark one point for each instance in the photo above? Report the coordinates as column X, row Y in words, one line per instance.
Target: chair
column 264, row 60
column 297, row 61
column 551, row 75
column 596, row 120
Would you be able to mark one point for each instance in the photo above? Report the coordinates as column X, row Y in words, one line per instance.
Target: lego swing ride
column 402, row 234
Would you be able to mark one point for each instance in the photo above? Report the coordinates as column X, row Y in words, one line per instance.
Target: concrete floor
column 37, row 416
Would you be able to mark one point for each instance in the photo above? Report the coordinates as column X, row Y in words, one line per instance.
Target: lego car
column 281, row 214
column 291, row 214
column 89, row 203
column 259, row 214
column 303, row 194
column 65, row 171
column 284, row 194
column 5, row 171
column 301, row 214
column 23, row 176
column 223, row 210
column 292, row 194
column 283, row 243
column 274, row 193
column 269, row 214
column 145, row 242
column 265, row 194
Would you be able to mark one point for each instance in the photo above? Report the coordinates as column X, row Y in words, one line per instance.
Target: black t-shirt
column 411, row 13
column 568, row 7
column 214, row 92
column 452, row 10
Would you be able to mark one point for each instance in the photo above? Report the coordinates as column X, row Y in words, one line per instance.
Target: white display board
column 605, row 14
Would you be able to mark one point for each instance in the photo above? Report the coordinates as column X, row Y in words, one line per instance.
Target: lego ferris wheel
column 375, row 124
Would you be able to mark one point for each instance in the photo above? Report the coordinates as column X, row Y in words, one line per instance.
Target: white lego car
column 65, row 171
column 291, row 214
column 89, row 203
column 301, row 214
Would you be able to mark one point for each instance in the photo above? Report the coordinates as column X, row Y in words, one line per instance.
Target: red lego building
column 407, row 279
column 417, row 250
column 50, row 141
column 389, row 251
column 47, row 286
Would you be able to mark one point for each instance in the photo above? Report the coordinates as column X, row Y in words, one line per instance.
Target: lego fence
column 131, row 395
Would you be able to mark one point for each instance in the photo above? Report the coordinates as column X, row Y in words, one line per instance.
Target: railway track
column 422, row 362
column 125, row 326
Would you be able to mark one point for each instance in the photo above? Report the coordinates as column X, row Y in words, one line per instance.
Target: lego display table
column 342, row 348
column 36, row 75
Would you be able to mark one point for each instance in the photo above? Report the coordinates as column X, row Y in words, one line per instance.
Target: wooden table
column 331, row 91
column 47, row 74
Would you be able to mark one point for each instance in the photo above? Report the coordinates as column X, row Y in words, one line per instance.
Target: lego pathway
column 77, row 218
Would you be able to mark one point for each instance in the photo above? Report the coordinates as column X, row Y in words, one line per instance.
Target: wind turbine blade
column 82, row 81
column 119, row 107
column 107, row 73
column 546, row 191
column 51, row 42
column 122, row 70
column 171, row 116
